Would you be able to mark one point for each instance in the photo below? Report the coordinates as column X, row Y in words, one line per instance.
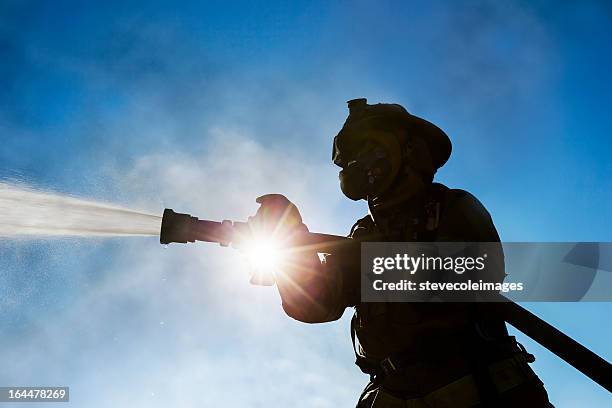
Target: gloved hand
column 277, row 217
column 273, row 228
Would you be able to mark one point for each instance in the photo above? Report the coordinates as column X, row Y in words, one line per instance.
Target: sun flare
column 265, row 255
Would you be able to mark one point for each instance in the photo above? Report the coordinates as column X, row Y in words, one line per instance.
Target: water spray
column 28, row 212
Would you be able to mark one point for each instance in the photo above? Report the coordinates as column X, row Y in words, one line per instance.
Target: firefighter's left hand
column 277, row 217
column 274, row 227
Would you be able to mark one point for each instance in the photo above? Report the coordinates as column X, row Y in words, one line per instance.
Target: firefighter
column 418, row 354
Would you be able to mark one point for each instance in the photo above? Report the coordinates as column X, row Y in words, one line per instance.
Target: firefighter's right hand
column 277, row 217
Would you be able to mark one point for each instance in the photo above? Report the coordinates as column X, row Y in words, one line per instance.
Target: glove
column 277, row 221
column 277, row 217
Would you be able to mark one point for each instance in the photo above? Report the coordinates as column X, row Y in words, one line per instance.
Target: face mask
column 354, row 182
column 369, row 172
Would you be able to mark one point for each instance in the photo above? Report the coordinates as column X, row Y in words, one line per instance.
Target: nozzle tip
column 175, row 227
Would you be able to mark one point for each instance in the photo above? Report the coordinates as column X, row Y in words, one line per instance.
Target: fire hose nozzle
column 177, row 227
column 184, row 228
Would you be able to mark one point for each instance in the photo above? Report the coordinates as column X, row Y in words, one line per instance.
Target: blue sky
column 202, row 107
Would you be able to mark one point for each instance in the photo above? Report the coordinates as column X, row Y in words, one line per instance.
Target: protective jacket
column 427, row 353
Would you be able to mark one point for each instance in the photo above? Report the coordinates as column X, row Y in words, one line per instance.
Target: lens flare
column 264, row 255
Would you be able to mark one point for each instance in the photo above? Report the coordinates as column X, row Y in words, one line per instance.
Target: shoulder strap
column 363, row 226
column 432, row 212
